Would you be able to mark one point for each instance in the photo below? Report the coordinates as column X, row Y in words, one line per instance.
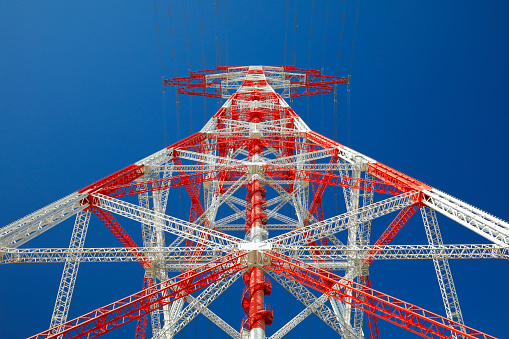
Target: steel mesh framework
column 253, row 157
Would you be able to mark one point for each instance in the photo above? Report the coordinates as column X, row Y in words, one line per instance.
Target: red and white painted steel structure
column 254, row 156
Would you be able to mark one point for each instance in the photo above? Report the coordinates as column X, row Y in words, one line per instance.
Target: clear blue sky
column 80, row 98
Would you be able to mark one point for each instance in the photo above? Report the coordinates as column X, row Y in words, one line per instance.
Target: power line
column 322, row 113
column 325, row 34
column 294, row 56
column 188, row 66
column 354, row 35
column 342, row 30
column 218, row 43
column 286, row 31
column 226, row 31
column 218, row 36
column 156, row 17
column 348, row 112
column 310, row 45
column 177, row 104
column 172, row 42
column 202, row 60
column 311, row 32
column 350, row 71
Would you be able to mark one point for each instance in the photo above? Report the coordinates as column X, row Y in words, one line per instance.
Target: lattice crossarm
column 19, row 232
column 484, row 224
column 170, row 255
column 333, row 254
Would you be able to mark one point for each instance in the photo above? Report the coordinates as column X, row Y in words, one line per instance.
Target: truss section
column 68, row 280
column 482, row 223
column 27, row 228
column 444, row 275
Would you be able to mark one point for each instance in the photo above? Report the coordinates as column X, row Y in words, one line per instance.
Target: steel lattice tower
column 254, row 156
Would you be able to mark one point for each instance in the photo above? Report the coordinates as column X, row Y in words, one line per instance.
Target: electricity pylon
column 255, row 156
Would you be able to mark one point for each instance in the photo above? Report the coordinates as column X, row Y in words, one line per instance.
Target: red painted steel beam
column 118, row 231
column 410, row 317
column 125, row 310
column 374, row 332
column 389, row 174
column 141, row 323
column 396, row 225
column 319, row 191
column 322, row 141
column 121, row 177
column 175, row 181
column 237, row 141
column 190, row 188
column 193, row 139
column 336, row 180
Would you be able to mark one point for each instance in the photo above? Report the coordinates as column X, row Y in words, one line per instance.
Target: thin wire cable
column 156, row 17
column 188, row 67
column 311, row 33
column 348, row 120
column 348, row 112
column 342, row 30
column 202, row 60
column 322, row 113
column 177, row 103
column 172, row 42
column 218, row 36
column 218, row 44
column 295, row 26
column 354, row 35
column 335, row 138
column 286, row 31
column 325, row 34
column 310, row 48
column 226, row 32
